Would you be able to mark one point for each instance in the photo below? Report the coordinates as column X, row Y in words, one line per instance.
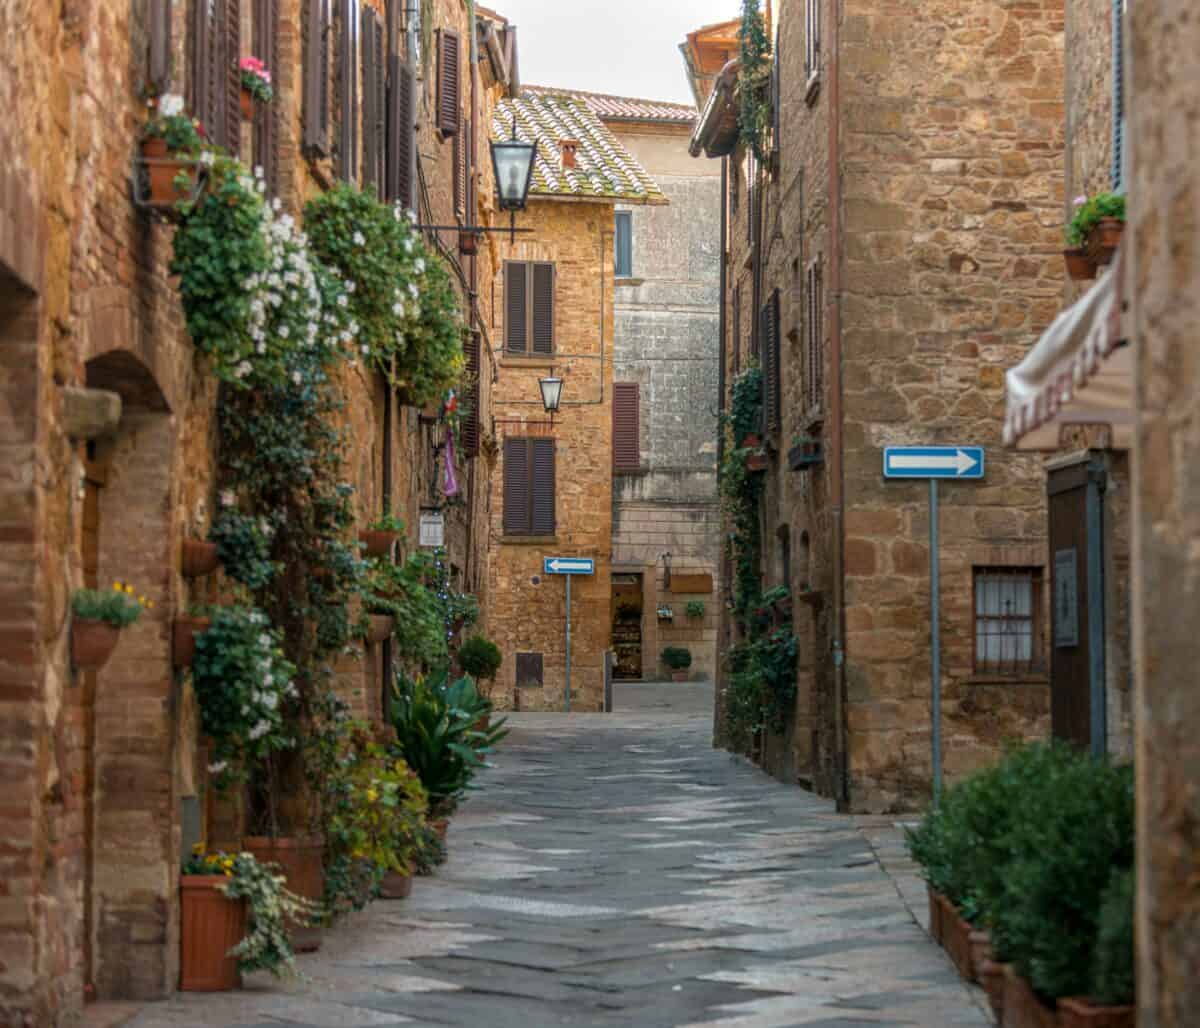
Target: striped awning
column 1080, row 372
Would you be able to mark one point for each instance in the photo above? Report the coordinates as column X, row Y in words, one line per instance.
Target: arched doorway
column 130, row 706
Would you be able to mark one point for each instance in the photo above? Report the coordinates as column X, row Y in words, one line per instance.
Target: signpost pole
column 567, row 687
column 935, row 640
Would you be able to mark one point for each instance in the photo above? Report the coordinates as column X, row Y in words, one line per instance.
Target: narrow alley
column 617, row 870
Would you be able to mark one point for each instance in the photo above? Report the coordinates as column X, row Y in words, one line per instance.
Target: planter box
column 980, row 945
column 246, row 101
column 750, row 442
column 300, row 858
column 956, row 939
column 161, row 172
column 183, row 639
column 935, row 913
column 756, row 462
column 92, row 643
column 679, row 675
column 198, row 558
column 993, row 977
column 212, row 924
column 377, row 544
column 1022, row 1008
column 1078, row 1012
column 395, row 886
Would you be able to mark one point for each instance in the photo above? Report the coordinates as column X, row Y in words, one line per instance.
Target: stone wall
column 527, row 612
column 666, row 340
column 100, row 767
column 1163, row 278
column 1089, row 94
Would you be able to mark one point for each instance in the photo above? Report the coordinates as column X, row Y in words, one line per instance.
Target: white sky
column 628, row 47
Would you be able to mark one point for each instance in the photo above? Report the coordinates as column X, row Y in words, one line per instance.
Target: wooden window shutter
column 542, row 485
column 449, row 103
column 400, row 132
column 1117, row 173
column 517, row 506
column 348, row 75
column 626, row 427
column 316, row 77
column 231, row 75
column 458, row 173
column 266, row 127
column 769, row 344
column 516, row 315
column 374, row 100
column 542, row 304
column 206, row 85
column 469, row 431
column 737, row 329
column 158, row 69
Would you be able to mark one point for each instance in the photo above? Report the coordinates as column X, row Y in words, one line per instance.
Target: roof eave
column 716, row 133
column 606, row 198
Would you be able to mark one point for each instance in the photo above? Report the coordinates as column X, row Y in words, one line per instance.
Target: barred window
column 1008, row 629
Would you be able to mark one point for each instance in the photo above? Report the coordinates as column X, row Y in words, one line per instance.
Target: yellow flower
column 129, row 589
column 118, row 587
column 198, row 848
column 372, row 795
column 149, row 604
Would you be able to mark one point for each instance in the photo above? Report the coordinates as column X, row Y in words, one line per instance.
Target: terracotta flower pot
column 1079, row 1012
column 468, row 243
column 377, row 543
column 199, row 558
column 1079, row 265
column 212, row 924
column 183, row 639
column 756, row 462
column 679, row 674
column 381, row 626
column 300, row 857
column 162, row 169
column 992, row 977
column 935, row 913
column 751, row 441
column 92, row 642
column 247, row 104
column 396, row 885
column 1103, row 240
column 1022, row 1008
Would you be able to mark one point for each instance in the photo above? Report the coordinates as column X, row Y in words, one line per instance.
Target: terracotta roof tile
column 624, row 108
column 604, row 168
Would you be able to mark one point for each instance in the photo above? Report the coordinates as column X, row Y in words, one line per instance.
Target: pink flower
column 1080, row 200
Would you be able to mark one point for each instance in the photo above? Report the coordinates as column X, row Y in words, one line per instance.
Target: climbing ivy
column 754, row 76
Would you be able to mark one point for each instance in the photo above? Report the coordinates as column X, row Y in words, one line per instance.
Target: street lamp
column 551, row 387
column 512, row 164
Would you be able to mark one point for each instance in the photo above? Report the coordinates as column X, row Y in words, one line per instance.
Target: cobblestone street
column 616, row 870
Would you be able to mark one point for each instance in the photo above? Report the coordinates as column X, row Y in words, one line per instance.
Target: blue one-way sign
column 568, row 566
column 965, row 462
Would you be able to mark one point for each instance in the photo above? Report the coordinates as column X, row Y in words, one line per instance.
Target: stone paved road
column 616, row 870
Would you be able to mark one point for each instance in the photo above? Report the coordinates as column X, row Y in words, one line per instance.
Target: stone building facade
column 108, row 435
column 552, row 487
column 1163, row 281
column 665, row 379
column 906, row 231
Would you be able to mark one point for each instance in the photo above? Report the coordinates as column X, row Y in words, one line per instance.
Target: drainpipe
column 837, row 468
column 722, row 325
column 469, row 204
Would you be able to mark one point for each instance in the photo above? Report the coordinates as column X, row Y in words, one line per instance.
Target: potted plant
column 480, row 658
column 379, row 627
column 171, row 145
column 1094, row 233
column 678, row 659
column 378, row 537
column 1110, row 1002
column 695, row 609
column 665, row 612
column 198, row 558
column 185, row 630
column 256, row 85
column 756, row 460
column 98, row 617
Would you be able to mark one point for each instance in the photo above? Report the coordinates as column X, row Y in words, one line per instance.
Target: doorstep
column 109, row 1014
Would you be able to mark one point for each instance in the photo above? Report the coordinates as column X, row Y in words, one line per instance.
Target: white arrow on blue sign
column 568, row 566
column 965, row 462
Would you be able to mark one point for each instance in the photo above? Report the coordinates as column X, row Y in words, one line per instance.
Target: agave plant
column 436, row 734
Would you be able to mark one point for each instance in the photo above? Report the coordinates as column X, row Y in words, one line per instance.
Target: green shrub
column 1089, row 212
column 118, row 606
column 695, row 608
column 677, row 658
column 244, row 547
column 1113, row 962
column 480, row 658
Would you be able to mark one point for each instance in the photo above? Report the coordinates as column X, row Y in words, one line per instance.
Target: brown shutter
column 231, row 75
column 517, row 519
column 371, row 37
column 626, row 427
column 516, row 312
column 769, row 345
column 159, row 30
column 542, row 308
column 348, row 73
column 266, row 129
column 400, row 126
column 542, row 486
column 737, row 329
column 207, row 83
column 316, row 77
column 449, row 102
column 462, row 146
column 469, row 430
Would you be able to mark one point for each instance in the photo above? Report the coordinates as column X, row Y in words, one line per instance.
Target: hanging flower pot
column 377, row 543
column 184, row 633
column 381, row 627
column 468, row 243
column 199, row 558
column 757, row 461
column 212, row 924
column 396, row 885
column 92, row 642
column 247, row 104
column 1103, row 240
column 1079, row 265
column 751, row 441
column 161, row 172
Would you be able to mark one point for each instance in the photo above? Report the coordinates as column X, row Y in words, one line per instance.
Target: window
column 623, row 241
column 449, row 105
column 469, row 430
column 400, row 116
column 814, row 356
column 768, row 332
column 374, row 91
column 528, row 307
column 266, row 131
column 158, row 69
column 528, row 486
column 1008, row 631
column 812, row 42
column 626, row 427
column 216, row 80
column 529, row 669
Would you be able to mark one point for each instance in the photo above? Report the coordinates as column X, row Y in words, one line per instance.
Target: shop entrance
column 627, row 626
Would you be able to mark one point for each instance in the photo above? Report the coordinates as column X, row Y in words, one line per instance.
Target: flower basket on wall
column 381, row 627
column 212, row 924
column 757, row 461
column 1080, row 267
column 199, row 558
column 246, row 100
column 183, row 638
column 162, row 172
column 1103, row 240
column 92, row 642
column 377, row 543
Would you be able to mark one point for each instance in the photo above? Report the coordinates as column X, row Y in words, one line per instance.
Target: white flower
column 419, row 264
column 258, row 171
column 218, row 767
column 259, row 729
column 284, row 331
column 351, row 286
column 270, row 700
column 353, row 329
column 408, row 244
column 228, row 498
column 261, row 349
column 170, row 104
column 207, row 158
column 366, row 350
column 264, row 639
column 412, row 216
column 359, row 239
column 297, row 378
column 244, row 369
column 398, row 309
column 342, row 301
column 276, row 204
column 413, row 290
